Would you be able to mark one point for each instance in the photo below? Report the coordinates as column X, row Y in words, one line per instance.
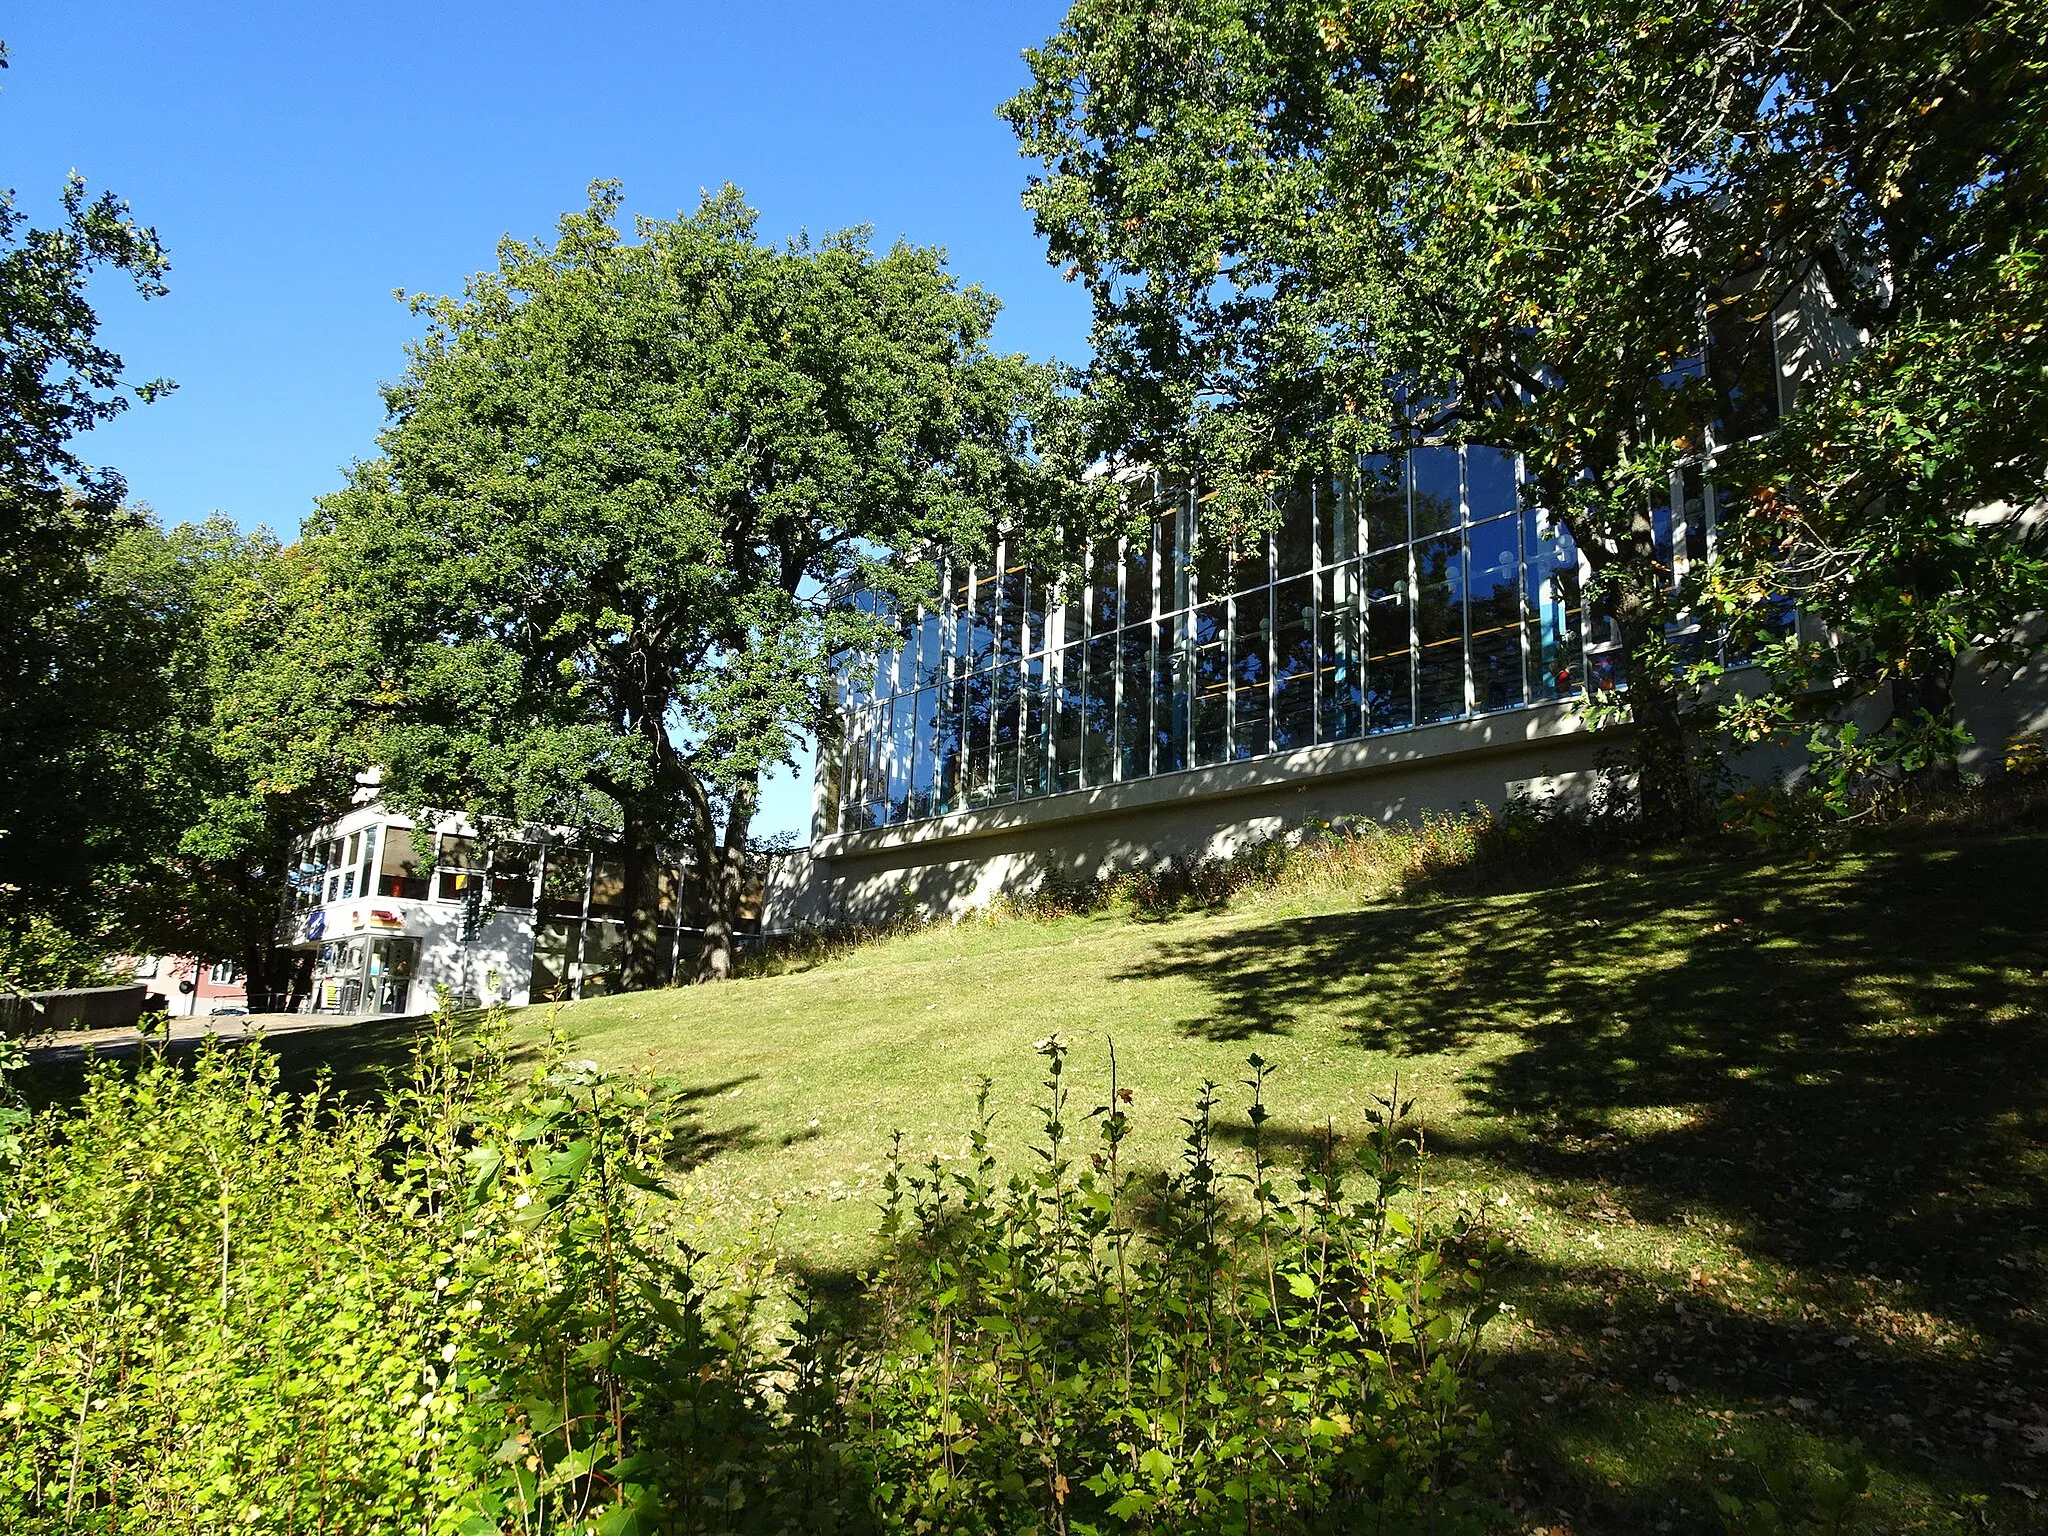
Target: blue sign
column 316, row 923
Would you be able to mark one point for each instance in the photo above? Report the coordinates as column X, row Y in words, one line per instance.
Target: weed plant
column 475, row 1306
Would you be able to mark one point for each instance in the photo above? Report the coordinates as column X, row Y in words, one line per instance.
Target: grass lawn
column 1768, row 1137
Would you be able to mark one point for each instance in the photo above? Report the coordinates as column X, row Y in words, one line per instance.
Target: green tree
column 1560, row 227
column 69, row 696
column 264, row 679
column 628, row 493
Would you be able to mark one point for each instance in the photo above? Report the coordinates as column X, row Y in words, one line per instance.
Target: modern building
column 389, row 914
column 1411, row 638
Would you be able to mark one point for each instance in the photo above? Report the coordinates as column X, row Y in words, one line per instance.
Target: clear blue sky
column 303, row 160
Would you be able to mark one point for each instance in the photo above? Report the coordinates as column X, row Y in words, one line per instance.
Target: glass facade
column 1419, row 590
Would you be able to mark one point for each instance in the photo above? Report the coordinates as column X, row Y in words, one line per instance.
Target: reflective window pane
column 1033, row 772
column 1389, row 663
column 1661, row 527
column 1434, row 498
column 1494, row 588
column 1003, row 753
column 1072, row 707
column 1032, row 613
column 1489, row 483
column 1336, row 521
column 1440, row 628
column 1383, row 500
column 1341, row 675
column 924, row 753
column 1134, row 706
column 1294, row 539
column 564, row 879
column 1102, row 587
column 1170, row 697
column 1138, row 579
column 1174, row 525
column 950, row 793
column 608, row 887
column 1294, row 664
column 977, row 725
column 1098, row 751
column 1211, row 706
column 1251, row 678
column 1695, row 510
column 902, row 721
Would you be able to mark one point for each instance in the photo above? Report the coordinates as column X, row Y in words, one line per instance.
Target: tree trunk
column 642, row 966
column 725, row 883
column 264, row 968
column 1927, row 688
column 1667, row 797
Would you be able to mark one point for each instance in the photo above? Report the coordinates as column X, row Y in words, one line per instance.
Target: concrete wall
column 952, row 864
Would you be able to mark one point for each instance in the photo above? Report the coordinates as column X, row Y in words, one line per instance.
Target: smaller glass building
column 514, row 918
column 1416, row 591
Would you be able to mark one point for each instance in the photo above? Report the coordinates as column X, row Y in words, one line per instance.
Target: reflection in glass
column 1294, row 664
column 1003, row 770
column 1250, row 674
column 1294, row 539
column 1134, row 709
column 1138, row 579
column 1434, row 476
column 1336, row 521
column 1170, row 697
column 1461, row 602
column 1338, row 654
column 1695, row 515
column 1173, row 559
column 1099, row 748
column 608, row 887
column 1439, row 628
column 950, row 746
column 1389, row 662
column 1383, row 497
column 1073, row 705
column 1489, row 484
column 1211, row 684
column 1033, row 772
column 564, row 879
column 1102, row 587
column 1495, row 612
column 924, row 761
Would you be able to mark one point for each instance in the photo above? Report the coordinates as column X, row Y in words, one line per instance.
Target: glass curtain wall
column 1419, row 590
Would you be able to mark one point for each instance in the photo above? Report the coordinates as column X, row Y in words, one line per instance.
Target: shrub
column 475, row 1306
column 1293, row 1359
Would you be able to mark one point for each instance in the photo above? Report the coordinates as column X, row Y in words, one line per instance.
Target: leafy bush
column 39, row 955
column 1293, row 1359
column 475, row 1306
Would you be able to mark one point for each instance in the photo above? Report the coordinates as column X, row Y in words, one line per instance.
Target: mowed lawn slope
column 1770, row 1138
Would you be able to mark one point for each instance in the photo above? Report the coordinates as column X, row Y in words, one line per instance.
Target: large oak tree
column 628, row 491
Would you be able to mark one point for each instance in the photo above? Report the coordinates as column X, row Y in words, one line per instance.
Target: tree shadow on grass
column 1841, row 1069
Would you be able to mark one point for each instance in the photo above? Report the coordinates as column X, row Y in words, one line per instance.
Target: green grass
column 1768, row 1137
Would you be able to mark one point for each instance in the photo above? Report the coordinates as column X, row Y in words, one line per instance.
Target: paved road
column 71, row 1044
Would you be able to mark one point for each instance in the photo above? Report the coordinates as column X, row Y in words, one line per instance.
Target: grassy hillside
column 1769, row 1137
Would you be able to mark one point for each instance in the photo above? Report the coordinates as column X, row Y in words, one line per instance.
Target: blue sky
column 303, row 160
